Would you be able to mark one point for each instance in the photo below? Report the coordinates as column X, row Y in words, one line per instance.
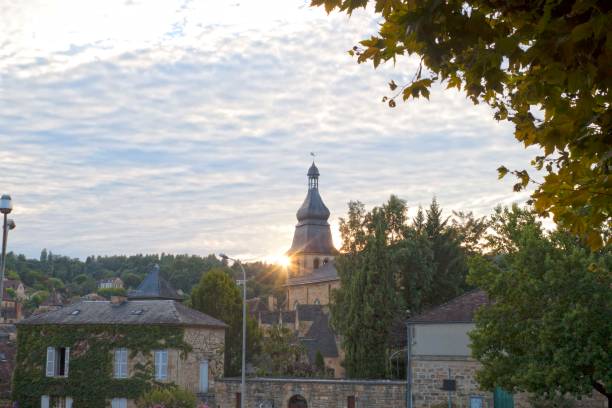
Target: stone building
column 312, row 273
column 193, row 366
column 442, row 364
column 12, row 301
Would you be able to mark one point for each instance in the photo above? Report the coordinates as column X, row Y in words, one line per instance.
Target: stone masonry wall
column 429, row 374
column 276, row 392
column 307, row 294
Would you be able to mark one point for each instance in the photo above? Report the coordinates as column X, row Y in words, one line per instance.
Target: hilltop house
column 12, row 301
column 110, row 283
column 113, row 350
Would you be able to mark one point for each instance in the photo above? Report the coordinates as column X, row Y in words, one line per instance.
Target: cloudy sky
column 186, row 126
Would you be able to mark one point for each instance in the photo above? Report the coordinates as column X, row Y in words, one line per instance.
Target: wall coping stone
column 311, row 380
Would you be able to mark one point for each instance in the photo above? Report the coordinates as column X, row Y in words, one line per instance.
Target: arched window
column 317, row 302
column 295, row 304
column 316, row 263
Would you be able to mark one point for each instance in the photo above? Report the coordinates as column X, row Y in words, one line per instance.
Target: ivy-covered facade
column 108, row 353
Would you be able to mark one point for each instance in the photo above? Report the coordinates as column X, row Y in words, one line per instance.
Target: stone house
column 185, row 348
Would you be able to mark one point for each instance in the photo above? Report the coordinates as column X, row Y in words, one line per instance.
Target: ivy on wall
column 90, row 380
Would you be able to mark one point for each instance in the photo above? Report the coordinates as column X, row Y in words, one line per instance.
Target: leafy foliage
column 547, row 330
column 283, row 354
column 90, row 382
column 109, row 292
column 218, row 296
column 390, row 265
column 542, row 65
column 167, row 398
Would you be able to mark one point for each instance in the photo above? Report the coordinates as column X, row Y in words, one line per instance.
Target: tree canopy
column 391, row 265
column 547, row 330
column 218, row 296
column 545, row 66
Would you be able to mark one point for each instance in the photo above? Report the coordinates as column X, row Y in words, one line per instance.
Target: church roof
column 154, row 287
column 313, row 208
column 325, row 273
column 320, row 337
column 312, row 232
column 313, row 171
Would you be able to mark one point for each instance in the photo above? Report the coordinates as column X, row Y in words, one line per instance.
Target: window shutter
column 68, row 402
column 165, row 364
column 44, row 401
column 50, row 362
column 67, row 362
column 124, row 360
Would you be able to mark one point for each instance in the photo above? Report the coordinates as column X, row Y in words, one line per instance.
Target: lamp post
column 408, row 364
column 6, row 206
column 244, row 333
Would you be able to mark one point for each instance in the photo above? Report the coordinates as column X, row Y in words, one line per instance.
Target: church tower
column 312, row 273
column 312, row 245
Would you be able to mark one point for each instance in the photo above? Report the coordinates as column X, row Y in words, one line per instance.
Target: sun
column 281, row 260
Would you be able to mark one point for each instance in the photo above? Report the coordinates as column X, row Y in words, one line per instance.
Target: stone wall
column 428, row 375
column 307, row 294
column 276, row 392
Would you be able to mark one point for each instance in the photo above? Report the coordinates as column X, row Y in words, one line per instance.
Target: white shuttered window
column 121, row 363
column 161, row 364
column 119, row 403
column 50, row 372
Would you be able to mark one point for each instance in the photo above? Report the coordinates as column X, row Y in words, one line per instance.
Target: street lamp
column 6, row 206
column 244, row 333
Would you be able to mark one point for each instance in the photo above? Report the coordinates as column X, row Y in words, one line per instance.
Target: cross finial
column 313, row 155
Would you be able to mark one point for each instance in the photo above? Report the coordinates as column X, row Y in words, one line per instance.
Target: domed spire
column 312, row 233
column 313, row 176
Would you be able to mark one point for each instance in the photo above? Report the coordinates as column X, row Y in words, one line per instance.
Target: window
column 316, row 263
column 57, row 361
column 119, row 403
column 295, row 304
column 121, row 363
column 204, row 376
column 350, row 401
column 326, row 260
column 317, row 302
column 55, row 402
column 161, row 364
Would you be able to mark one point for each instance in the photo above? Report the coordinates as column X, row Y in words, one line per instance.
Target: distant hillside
column 73, row 277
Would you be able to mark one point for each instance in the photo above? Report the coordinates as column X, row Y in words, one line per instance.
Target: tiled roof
column 324, row 273
column 154, row 287
column 158, row 312
column 309, row 312
column 458, row 310
column 320, row 337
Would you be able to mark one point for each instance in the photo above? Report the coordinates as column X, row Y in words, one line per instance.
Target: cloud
column 186, row 127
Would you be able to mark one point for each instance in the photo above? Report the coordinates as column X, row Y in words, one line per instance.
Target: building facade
column 105, row 353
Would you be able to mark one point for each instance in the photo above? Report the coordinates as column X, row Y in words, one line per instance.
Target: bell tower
column 312, row 245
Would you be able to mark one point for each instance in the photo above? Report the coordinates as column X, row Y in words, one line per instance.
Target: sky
column 186, row 127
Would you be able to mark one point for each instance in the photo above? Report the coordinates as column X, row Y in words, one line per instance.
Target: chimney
column 117, row 300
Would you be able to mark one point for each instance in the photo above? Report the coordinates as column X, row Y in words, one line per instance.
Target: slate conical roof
column 312, row 233
column 154, row 287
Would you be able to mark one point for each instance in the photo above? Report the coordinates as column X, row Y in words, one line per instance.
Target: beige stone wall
column 184, row 369
column 267, row 393
column 428, row 374
column 307, row 294
column 303, row 264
